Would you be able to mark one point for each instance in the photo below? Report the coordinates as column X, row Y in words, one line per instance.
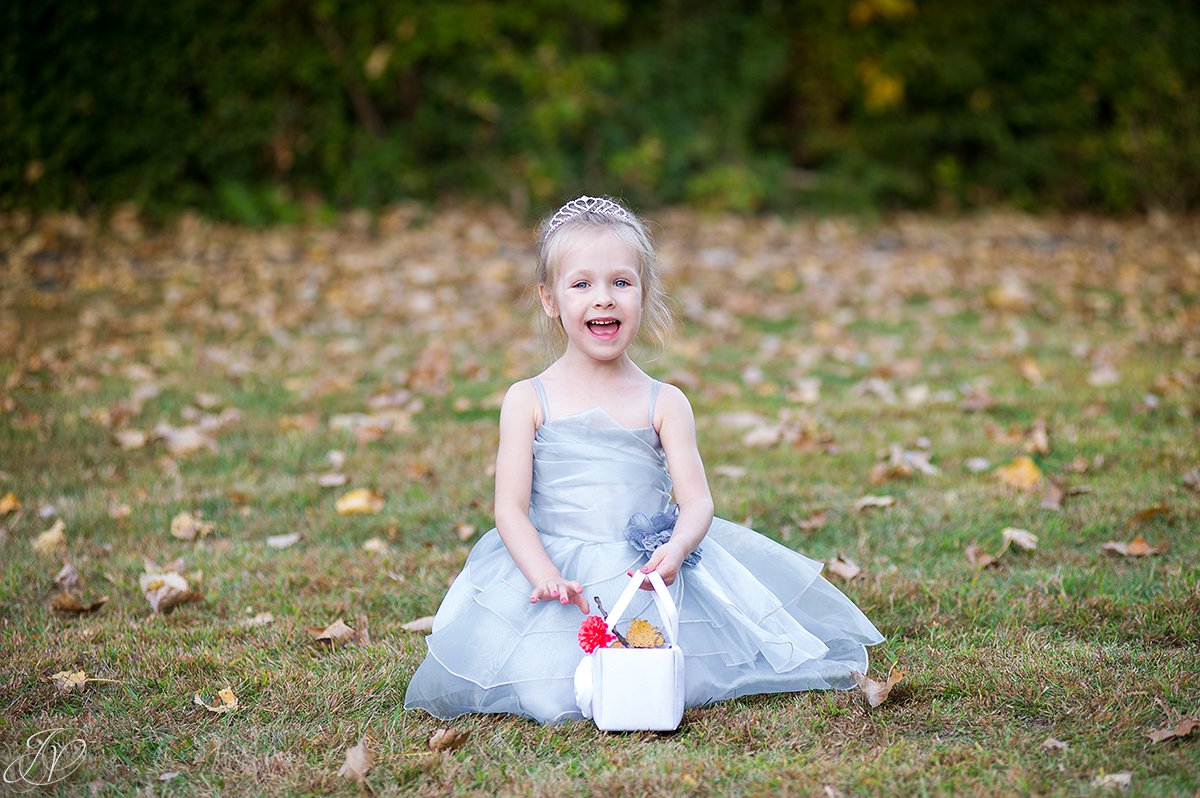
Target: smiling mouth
column 604, row 328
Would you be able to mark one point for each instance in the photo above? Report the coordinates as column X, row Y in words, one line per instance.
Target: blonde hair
column 556, row 231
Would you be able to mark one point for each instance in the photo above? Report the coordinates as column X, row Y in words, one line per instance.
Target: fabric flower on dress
column 594, row 634
column 648, row 533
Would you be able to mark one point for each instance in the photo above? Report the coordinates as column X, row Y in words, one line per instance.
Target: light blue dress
column 754, row 616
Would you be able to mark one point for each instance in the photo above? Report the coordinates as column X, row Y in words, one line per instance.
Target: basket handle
column 662, row 599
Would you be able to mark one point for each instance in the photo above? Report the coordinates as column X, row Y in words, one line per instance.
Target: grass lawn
column 224, row 372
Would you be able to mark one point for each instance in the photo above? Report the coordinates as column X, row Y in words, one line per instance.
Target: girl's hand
column 566, row 591
column 666, row 559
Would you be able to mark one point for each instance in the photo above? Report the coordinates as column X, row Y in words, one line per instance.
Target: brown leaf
column 1175, row 731
column 1138, row 547
column 1022, row 473
column 843, row 567
column 66, row 601
column 167, row 590
column 1119, row 780
column 190, row 527
column 874, row 501
column 1028, row 368
column 1147, row 514
column 69, row 681
column 336, row 633
column 1021, row 538
column 1038, row 440
column 1052, row 495
column 129, row 439
column 1051, row 744
column 874, row 691
column 424, row 624
column 358, row 761
column 464, row 531
column 118, row 511
column 448, row 740
column 979, row 559
column 813, row 522
column 68, row 578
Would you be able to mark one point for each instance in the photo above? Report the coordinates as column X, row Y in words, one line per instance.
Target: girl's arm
column 677, row 431
column 514, row 479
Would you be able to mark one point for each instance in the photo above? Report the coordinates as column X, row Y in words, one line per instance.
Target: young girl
column 584, row 446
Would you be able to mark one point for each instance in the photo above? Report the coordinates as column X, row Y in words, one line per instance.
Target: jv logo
column 50, row 756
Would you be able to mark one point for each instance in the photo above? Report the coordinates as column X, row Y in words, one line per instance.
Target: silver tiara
column 585, row 204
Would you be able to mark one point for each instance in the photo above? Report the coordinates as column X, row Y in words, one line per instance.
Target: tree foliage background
column 252, row 109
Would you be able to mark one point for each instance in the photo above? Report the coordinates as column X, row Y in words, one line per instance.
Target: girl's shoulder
column 521, row 401
column 671, row 405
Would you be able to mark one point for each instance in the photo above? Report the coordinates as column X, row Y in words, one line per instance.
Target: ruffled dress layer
column 755, row 616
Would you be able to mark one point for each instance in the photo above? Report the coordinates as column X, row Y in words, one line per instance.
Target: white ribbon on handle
column 662, row 599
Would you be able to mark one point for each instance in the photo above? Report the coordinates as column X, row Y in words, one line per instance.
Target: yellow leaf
column 227, row 701
column 52, row 539
column 360, row 501
column 643, row 634
column 187, row 526
column 9, row 504
column 1022, row 473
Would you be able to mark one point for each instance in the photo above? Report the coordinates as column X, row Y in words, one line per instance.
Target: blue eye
column 622, row 283
column 579, row 284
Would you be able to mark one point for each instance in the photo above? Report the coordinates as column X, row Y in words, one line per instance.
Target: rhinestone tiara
column 587, row 204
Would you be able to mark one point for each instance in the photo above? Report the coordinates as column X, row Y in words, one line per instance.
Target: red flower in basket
column 594, row 634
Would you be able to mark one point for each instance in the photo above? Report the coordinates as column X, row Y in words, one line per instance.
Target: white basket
column 635, row 689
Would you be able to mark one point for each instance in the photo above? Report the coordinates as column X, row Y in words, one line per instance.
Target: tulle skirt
column 754, row 617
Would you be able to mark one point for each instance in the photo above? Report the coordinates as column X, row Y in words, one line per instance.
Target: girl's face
column 596, row 292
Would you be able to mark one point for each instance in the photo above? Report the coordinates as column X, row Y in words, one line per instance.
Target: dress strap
column 541, row 392
column 654, row 386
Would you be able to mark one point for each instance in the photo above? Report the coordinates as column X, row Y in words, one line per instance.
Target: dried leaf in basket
column 643, row 634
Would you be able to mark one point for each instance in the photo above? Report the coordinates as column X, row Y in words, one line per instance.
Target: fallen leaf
column 447, row 740
column 1051, row 744
column 170, row 774
column 1175, row 731
column 68, row 578
column 189, row 527
column 813, row 522
column 1147, row 514
column 424, row 624
column 1052, row 496
column 283, row 541
column 843, row 567
column 977, row 464
column 9, row 504
column 979, row 559
column 1038, row 440
column 874, row 501
column 227, row 701
column 874, row 691
column 1028, row 368
column 1119, row 780
column 337, row 633
column 464, row 531
column 358, row 762
column 332, row 480
column 66, row 601
column 1191, row 479
column 643, row 634
column 1021, row 538
column 730, row 471
column 117, row 511
column 1138, row 547
column 167, row 590
column 129, row 439
column 261, row 619
column 183, row 441
column 360, row 501
column 376, row 546
column 1103, row 376
column 1021, row 473
column 69, row 681
column 52, row 539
